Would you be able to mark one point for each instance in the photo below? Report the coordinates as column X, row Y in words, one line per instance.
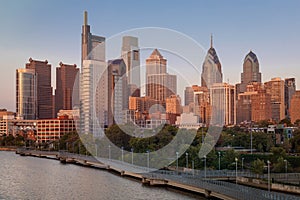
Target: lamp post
column 193, row 168
column 236, row 174
column 205, row 167
column 243, row 164
column 251, row 137
column 187, row 159
column 122, row 150
column 285, row 161
column 96, row 148
column 269, row 184
column 86, row 149
column 177, row 162
column 219, row 160
column 148, row 160
column 109, row 151
column 132, row 156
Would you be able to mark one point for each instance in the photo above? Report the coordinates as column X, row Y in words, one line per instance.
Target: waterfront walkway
column 207, row 184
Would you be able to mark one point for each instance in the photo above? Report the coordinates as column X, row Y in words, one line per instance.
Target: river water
column 37, row 178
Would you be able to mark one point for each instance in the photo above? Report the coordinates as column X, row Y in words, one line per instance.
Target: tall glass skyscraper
column 93, row 83
column 26, row 94
column 250, row 71
column 211, row 69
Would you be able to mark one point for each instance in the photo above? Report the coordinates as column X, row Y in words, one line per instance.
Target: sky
column 51, row 30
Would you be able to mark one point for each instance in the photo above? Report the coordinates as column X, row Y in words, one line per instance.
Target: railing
column 194, row 178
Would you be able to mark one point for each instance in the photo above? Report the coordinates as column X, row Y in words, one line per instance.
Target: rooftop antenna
column 85, row 18
column 211, row 40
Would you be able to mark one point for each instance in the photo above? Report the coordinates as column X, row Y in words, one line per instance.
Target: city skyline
column 272, row 45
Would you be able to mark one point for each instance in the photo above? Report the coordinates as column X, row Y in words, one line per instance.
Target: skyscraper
column 159, row 84
column 295, row 108
column 250, row 72
column 222, row 97
column 66, row 75
column 117, row 91
column 93, row 83
column 131, row 56
column 289, row 90
column 188, row 96
column 261, row 106
column 275, row 88
column 44, row 89
column 211, row 68
column 26, row 94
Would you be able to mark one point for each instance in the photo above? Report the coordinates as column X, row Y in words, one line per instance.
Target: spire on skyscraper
column 211, row 40
column 85, row 18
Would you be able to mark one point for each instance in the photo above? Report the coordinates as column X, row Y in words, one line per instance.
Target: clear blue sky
column 52, row 30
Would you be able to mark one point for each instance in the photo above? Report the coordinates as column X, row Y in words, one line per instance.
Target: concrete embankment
column 140, row 177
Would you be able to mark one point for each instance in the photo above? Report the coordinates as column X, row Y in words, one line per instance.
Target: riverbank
column 8, row 148
column 208, row 188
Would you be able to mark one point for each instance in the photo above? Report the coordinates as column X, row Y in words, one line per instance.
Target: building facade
column 159, row 84
column 295, row 107
column 211, row 68
column 26, row 94
column 66, row 75
column 117, row 91
column 275, row 88
column 44, row 89
column 131, row 56
column 222, row 97
column 93, row 83
column 250, row 72
column 289, row 90
column 261, row 106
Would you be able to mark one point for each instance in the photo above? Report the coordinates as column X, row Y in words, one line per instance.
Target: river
column 37, row 178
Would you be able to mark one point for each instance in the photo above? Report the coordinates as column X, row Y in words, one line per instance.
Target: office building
column 250, row 72
column 289, row 90
column 117, row 91
column 295, row 107
column 93, row 83
column 66, row 87
column 275, row 88
column 211, row 69
column 131, row 56
column 26, row 94
column 159, row 84
column 261, row 106
column 44, row 89
column 222, row 99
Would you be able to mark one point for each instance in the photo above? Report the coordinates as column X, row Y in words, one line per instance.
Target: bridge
column 195, row 181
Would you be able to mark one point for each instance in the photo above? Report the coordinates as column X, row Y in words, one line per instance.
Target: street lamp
column 148, row 159
column 219, row 160
column 205, row 167
column 96, row 147
column 243, row 164
column 132, row 156
column 177, row 162
column 285, row 161
column 122, row 150
column 193, row 167
column 109, row 151
column 236, row 174
column 269, row 188
column 187, row 159
column 251, row 137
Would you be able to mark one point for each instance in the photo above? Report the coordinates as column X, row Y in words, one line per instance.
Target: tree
column 228, row 160
column 258, row 166
column 279, row 166
column 277, row 152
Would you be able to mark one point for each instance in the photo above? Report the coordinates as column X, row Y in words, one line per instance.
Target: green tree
column 279, row 166
column 277, row 152
column 258, row 166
